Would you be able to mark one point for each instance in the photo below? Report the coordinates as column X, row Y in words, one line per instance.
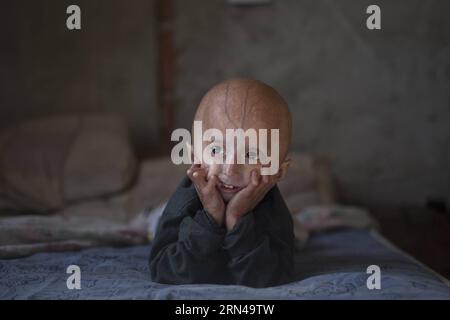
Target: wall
column 109, row 65
column 376, row 102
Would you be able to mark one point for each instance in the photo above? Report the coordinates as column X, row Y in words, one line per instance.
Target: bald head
column 245, row 104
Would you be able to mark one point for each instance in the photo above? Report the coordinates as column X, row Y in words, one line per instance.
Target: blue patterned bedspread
column 332, row 266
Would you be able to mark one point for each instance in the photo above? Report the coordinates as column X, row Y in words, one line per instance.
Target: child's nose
column 230, row 169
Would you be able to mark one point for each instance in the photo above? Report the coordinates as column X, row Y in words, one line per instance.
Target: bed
column 331, row 266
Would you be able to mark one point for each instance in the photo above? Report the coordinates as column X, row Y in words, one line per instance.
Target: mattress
column 332, row 265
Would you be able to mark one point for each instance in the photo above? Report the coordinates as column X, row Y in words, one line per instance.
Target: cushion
column 309, row 182
column 48, row 162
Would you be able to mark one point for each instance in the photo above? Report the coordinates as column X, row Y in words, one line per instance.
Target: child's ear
column 284, row 168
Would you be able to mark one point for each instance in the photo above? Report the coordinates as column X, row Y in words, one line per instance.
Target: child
column 226, row 223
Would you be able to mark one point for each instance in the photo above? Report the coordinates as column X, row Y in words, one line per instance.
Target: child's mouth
column 228, row 188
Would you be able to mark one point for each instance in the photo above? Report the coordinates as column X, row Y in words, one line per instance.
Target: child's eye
column 216, row 150
column 252, row 155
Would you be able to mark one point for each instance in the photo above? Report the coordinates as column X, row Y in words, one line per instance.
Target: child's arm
column 188, row 244
column 261, row 244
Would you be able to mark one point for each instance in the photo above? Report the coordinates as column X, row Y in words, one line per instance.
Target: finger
column 212, row 183
column 200, row 172
column 253, row 185
column 270, row 183
column 197, row 176
column 271, row 179
column 266, row 183
column 194, row 167
column 265, row 179
column 275, row 178
column 278, row 175
column 190, row 171
column 255, row 177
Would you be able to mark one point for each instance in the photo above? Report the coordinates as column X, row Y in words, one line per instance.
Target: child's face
column 233, row 177
column 241, row 104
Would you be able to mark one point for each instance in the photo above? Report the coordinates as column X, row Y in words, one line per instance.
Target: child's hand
column 209, row 195
column 246, row 199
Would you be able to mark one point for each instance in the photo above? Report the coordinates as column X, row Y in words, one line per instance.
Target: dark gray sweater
column 190, row 247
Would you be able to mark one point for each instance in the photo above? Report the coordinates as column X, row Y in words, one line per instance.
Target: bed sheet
column 332, row 266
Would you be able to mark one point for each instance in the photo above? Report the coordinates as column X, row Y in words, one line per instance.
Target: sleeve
column 261, row 257
column 188, row 248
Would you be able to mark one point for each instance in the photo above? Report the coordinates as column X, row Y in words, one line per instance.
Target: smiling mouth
column 229, row 188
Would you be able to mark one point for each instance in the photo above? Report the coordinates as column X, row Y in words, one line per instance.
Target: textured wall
column 377, row 102
column 109, row 65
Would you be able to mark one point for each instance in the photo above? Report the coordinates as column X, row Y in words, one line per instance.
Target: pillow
column 157, row 179
column 48, row 162
column 309, row 182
